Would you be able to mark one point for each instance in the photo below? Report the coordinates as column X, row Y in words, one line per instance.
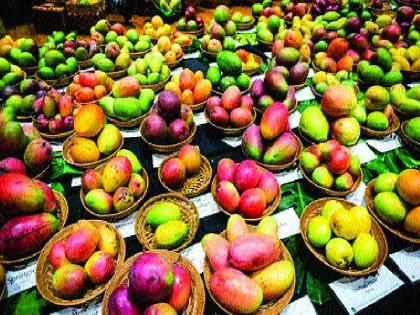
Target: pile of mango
column 406, row 101
column 9, row 74
column 407, row 59
column 151, row 69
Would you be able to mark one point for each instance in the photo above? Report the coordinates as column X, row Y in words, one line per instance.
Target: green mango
column 109, row 139
column 107, row 104
column 127, row 108
column 162, row 212
column 171, row 234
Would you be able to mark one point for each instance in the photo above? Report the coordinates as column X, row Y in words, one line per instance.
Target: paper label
column 268, row 54
column 305, row 94
column 196, row 255
column 76, row 181
column 176, row 70
column 21, row 279
column 288, row 223
column 92, row 308
column 311, row 73
column 157, row 159
column 302, row 306
column 358, row 196
column 234, row 142
column 294, row 119
column 250, row 31
column 413, row 84
column 363, row 151
column 57, row 147
column 288, row 176
column 126, row 225
column 386, row 144
column 356, row 294
column 199, row 119
column 260, row 76
column 408, row 261
column 192, row 55
column 205, row 204
column 130, row 133
column 211, row 64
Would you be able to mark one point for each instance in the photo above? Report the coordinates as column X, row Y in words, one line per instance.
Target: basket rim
column 229, row 130
column 393, row 127
column 157, row 86
column 60, row 82
column 217, row 92
column 408, row 140
column 51, row 136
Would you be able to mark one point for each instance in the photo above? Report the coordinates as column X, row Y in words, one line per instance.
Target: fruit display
column 118, row 186
column 331, row 167
column 79, row 261
column 394, row 200
column 248, row 268
column 335, row 58
column 190, row 22
column 410, row 134
column 23, row 53
column 405, row 101
column 81, row 49
column 245, row 187
column 292, row 10
column 251, row 63
column 32, row 213
column 89, row 87
column 169, row 122
column 150, row 70
column 269, row 28
column 228, row 72
column 10, row 75
column 343, row 236
column 406, row 59
column 265, row 9
column 321, row 80
column 242, row 21
column 54, row 65
column 114, row 59
column 156, row 28
column 93, row 140
column 191, row 88
column 321, row 7
column 232, row 112
column 272, row 142
column 184, row 40
column 172, row 52
column 273, row 87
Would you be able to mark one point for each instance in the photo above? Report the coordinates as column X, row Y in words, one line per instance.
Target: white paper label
column 57, row 147
column 131, row 133
column 21, row 280
column 90, row 308
column 386, row 144
column 305, row 94
column 126, row 225
column 268, row 54
column 288, row 223
column 302, row 306
column 199, row 119
column 363, row 151
column 192, row 55
column 25, row 124
column 87, row 69
column 311, row 73
column 211, row 64
column 260, row 76
column 196, row 255
column 413, row 84
column 288, row 176
column 205, row 204
column 176, row 70
column 76, row 181
column 408, row 261
column 358, row 196
column 294, row 119
column 357, row 293
column 234, row 142
column 250, row 31
column 157, row 159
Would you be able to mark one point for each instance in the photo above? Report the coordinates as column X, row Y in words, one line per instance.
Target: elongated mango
column 217, row 251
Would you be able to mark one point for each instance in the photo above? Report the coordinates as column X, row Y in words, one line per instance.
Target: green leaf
column 292, row 247
column 304, row 104
column 59, row 167
column 287, row 202
column 406, row 158
column 316, row 289
column 58, row 187
column 302, row 199
column 28, row 303
column 195, row 45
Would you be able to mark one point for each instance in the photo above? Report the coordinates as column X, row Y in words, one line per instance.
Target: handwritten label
column 386, row 144
column 234, row 142
column 76, row 181
column 92, row 308
column 205, row 204
column 126, row 225
column 192, row 55
column 302, row 306
column 408, row 261
column 157, row 159
column 199, row 119
column 21, row 280
column 357, row 293
column 305, row 94
column 294, row 119
column 196, row 255
column 363, row 151
column 288, row 223
column 358, row 196
column 131, row 133
column 288, row 176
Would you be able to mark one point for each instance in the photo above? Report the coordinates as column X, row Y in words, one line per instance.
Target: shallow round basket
column 393, row 127
column 245, row 26
column 208, row 54
column 175, row 64
column 61, row 213
column 316, row 69
column 274, row 306
column 83, row 64
column 3, row 291
column 156, row 87
column 44, row 271
column 269, row 209
column 220, row 93
column 67, row 157
column 129, row 123
column 411, row 143
column 139, row 54
column 230, row 131
column 60, row 82
column 116, row 215
column 31, row 70
column 117, row 74
column 189, row 214
column 314, row 209
column 329, row 191
column 411, row 76
column 280, row 167
column 199, row 106
column 267, row 45
column 198, row 32
column 51, row 136
column 167, row 148
column 252, row 72
column 193, row 185
column 397, row 230
column 23, row 118
column 197, row 301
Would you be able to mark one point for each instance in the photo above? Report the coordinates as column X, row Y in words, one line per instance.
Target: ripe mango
column 135, row 163
column 236, row 226
column 216, row 248
column 282, row 150
column 274, row 121
column 313, row 124
column 84, row 150
column 81, row 243
column 126, row 87
column 116, row 173
column 89, row 120
column 268, row 226
column 171, row 234
column 236, row 291
column 107, row 240
column 162, row 212
column 109, row 139
column 99, row 201
column 69, row 281
column 412, row 221
column 37, row 155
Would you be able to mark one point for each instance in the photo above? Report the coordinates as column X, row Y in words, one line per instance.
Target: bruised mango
column 107, row 240
column 116, row 173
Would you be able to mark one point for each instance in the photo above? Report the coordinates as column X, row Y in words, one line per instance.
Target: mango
column 412, row 129
column 126, row 87
column 313, row 124
column 127, row 108
column 181, row 288
column 99, row 201
column 22, row 236
column 235, row 291
column 122, row 199
column 57, row 255
column 116, row 173
column 162, row 212
column 12, row 136
column 160, row 309
column 377, row 97
column 109, row 139
column 322, row 176
column 82, row 242
column 69, row 281
column 50, row 203
column 135, row 163
column 274, row 121
column 283, row 150
column 100, row 267
column 108, row 241
column 412, row 221
column 236, row 226
column 84, row 150
column 89, row 120
column 268, row 226
column 37, row 155
column 171, row 234
column 216, row 248
column 390, row 207
column 252, row 142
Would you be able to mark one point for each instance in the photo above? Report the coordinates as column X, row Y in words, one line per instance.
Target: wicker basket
column 314, row 209
column 175, row 64
column 156, row 87
column 245, row 26
column 266, row 45
column 197, row 300
column 23, row 118
column 31, row 70
column 67, row 157
column 199, row 106
column 189, row 214
column 411, row 143
column 44, row 271
column 193, row 185
column 117, row 74
column 51, row 136
column 305, row 138
column 167, row 148
column 16, row 86
column 220, row 93
column 116, row 215
column 411, row 76
column 398, row 231
column 83, row 64
column 209, row 55
column 197, row 33
column 393, row 127
column 61, row 213
column 280, row 167
column 415, row 6
column 298, row 86
column 60, row 82
column 129, row 123
column 139, row 54
column 230, row 131
column 270, row 208
column 329, row 191
column 274, row 306
column 82, row 17
column 252, row 72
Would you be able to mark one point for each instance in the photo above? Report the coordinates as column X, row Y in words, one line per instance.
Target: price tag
column 192, row 55
column 234, row 142
column 196, row 255
column 199, row 119
column 356, row 294
column 408, row 261
column 76, row 181
column 294, row 119
column 57, row 147
column 358, row 196
column 305, row 94
column 21, row 280
column 288, row 176
column 90, row 308
column 157, row 159
column 205, row 204
column 211, row 64
column 130, row 133
column 288, row 223
column 386, row 144
column 302, row 306
column 268, row 54
column 87, row 69
column 126, row 225
column 363, row 151
column 311, row 73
